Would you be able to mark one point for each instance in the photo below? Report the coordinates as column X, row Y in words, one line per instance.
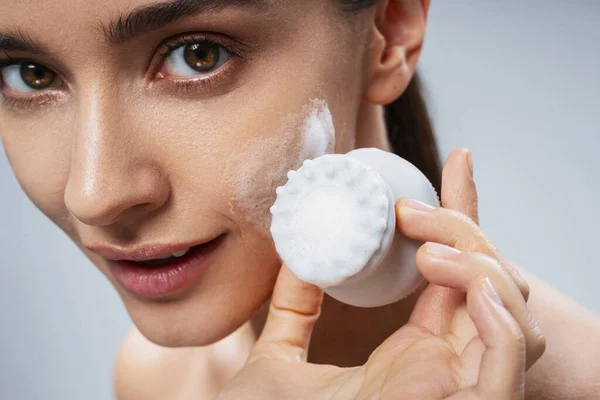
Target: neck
column 370, row 128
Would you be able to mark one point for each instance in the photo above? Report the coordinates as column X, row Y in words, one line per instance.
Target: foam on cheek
column 257, row 171
column 319, row 133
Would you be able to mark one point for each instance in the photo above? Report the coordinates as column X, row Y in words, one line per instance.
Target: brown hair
column 410, row 132
column 407, row 120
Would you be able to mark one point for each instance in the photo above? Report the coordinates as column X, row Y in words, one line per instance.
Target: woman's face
column 142, row 128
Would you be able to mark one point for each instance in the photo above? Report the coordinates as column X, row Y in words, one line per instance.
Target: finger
column 458, row 187
column 502, row 368
column 445, row 266
column 436, row 305
column 452, row 228
column 294, row 310
column 459, row 194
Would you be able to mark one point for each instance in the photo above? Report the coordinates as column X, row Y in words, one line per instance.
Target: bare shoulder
column 146, row 371
column 570, row 367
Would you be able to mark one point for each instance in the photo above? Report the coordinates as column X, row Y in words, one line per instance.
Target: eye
column 28, row 77
column 197, row 58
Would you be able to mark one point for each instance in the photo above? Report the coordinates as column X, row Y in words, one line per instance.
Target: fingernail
column 470, row 162
column 440, row 249
column 417, row 205
column 491, row 292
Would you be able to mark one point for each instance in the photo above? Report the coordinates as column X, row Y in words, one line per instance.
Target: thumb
column 294, row 310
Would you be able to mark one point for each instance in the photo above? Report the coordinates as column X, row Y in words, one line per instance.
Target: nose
column 113, row 176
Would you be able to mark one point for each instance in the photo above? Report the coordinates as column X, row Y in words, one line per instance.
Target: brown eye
column 194, row 58
column 202, row 57
column 37, row 76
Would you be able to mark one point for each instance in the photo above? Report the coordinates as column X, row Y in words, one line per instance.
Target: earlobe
column 398, row 34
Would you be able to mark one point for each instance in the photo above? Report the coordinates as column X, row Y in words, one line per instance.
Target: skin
column 489, row 365
column 119, row 156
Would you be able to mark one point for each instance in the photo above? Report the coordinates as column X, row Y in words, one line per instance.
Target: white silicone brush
column 334, row 225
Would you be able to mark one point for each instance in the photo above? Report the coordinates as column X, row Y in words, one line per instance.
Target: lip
column 146, row 252
column 155, row 282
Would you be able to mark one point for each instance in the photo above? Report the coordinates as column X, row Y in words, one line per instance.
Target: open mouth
column 175, row 257
column 165, row 276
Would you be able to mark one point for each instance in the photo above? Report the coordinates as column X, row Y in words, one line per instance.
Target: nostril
column 143, row 208
column 112, row 193
column 95, row 218
column 94, row 212
column 106, row 214
column 105, row 210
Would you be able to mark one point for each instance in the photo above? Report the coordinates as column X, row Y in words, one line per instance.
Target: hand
column 413, row 363
column 454, row 346
column 456, row 225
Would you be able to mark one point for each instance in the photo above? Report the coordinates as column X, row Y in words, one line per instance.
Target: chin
column 234, row 286
column 202, row 318
column 185, row 336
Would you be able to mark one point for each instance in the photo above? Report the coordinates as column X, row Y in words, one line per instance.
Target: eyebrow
column 146, row 19
column 19, row 41
column 134, row 24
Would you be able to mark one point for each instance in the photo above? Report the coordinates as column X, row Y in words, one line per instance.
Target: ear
column 398, row 34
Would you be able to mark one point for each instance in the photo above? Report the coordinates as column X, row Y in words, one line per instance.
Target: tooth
column 180, row 253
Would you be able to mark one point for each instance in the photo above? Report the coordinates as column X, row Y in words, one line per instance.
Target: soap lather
column 334, row 225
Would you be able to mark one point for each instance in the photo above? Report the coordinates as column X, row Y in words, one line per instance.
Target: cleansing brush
column 334, row 225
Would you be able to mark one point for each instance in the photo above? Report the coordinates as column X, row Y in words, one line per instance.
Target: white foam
column 257, row 171
column 318, row 132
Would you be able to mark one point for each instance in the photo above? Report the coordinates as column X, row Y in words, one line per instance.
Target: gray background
column 515, row 81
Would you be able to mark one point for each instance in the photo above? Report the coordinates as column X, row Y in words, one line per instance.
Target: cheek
column 254, row 173
column 40, row 161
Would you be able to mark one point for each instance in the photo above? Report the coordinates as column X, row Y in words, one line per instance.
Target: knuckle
column 488, row 267
column 532, row 324
column 463, row 220
column 467, row 233
column 500, row 273
column 521, row 282
column 536, row 339
column 478, row 242
column 518, row 337
column 539, row 348
column 525, row 290
column 518, row 343
column 458, row 227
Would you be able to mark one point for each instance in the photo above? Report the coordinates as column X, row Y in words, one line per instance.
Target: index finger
column 295, row 308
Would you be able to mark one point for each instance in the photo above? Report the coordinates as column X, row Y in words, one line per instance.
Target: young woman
column 154, row 134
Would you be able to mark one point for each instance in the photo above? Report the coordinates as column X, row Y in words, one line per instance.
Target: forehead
column 45, row 20
column 88, row 13
column 61, row 26
column 54, row 9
